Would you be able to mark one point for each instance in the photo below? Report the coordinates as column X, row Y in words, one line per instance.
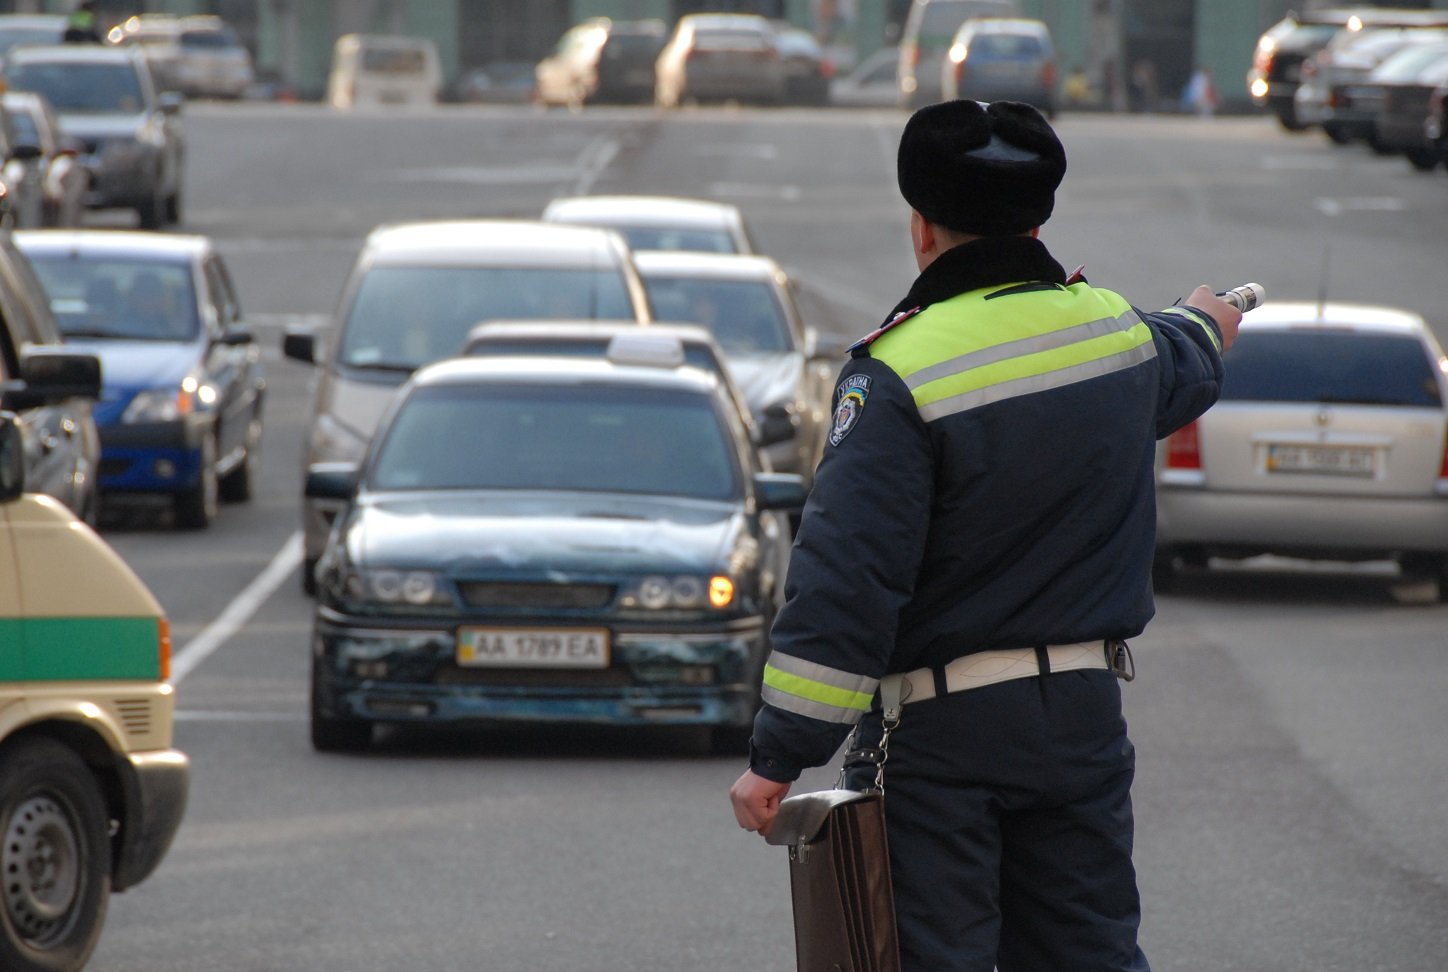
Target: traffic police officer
column 981, row 524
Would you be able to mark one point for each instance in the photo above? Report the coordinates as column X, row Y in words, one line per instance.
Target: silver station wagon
column 1328, row 443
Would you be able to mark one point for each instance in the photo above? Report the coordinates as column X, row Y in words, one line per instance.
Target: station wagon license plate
column 533, row 647
column 1334, row 461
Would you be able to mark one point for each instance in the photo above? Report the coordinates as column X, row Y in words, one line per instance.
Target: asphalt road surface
column 1288, row 718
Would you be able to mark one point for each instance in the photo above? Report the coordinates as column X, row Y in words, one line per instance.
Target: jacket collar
column 981, row 263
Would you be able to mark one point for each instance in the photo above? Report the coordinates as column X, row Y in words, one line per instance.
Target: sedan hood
column 566, row 532
column 767, row 378
column 134, row 365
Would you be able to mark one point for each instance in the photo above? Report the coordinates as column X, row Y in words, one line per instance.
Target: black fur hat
column 986, row 169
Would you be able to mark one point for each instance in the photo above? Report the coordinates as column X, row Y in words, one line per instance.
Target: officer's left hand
column 756, row 801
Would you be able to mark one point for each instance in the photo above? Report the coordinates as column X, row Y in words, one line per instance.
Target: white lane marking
column 239, row 611
column 1374, row 204
column 592, row 162
column 742, row 190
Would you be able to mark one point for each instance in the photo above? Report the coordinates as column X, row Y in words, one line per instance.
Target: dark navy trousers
column 1009, row 816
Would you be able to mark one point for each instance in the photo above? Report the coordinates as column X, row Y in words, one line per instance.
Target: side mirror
column 332, row 481
column 300, row 345
column 775, row 425
column 780, row 491
column 170, row 103
column 233, row 336
column 26, row 152
column 12, row 459
column 51, row 374
column 820, row 345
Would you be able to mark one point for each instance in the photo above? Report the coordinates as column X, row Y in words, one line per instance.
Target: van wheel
column 151, row 214
column 196, row 508
column 54, row 858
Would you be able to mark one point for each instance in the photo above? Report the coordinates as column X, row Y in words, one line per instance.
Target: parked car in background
column 807, row 68
column 133, row 139
column 659, row 222
column 929, row 31
column 1328, row 442
column 29, row 30
column 91, row 789
column 413, row 295
column 602, row 60
column 378, row 70
column 785, row 368
column 623, row 569
column 181, row 414
column 64, row 181
column 498, row 83
column 872, row 83
column 1002, row 59
column 1334, row 93
column 200, row 56
column 1406, row 82
column 50, row 388
column 1284, row 49
column 720, row 57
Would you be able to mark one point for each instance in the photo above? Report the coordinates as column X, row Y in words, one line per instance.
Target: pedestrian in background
column 1199, row 97
column 981, row 527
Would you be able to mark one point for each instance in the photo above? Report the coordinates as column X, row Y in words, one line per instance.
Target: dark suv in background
column 602, row 60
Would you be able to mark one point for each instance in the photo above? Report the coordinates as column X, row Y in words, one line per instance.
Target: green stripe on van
column 77, row 649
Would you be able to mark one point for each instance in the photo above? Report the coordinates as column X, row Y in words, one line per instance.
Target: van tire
column 54, row 826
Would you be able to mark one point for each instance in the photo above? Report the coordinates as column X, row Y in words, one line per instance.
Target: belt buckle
column 1119, row 659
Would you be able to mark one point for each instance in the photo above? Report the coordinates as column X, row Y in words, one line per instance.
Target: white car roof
column 1281, row 314
column 717, row 266
column 495, row 242
column 114, row 242
column 569, row 329
column 563, row 371
column 644, row 211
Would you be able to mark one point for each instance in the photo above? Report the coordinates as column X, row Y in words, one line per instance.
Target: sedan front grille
column 506, row 594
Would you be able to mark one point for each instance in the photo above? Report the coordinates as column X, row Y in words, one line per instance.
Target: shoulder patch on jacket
column 870, row 338
column 851, row 395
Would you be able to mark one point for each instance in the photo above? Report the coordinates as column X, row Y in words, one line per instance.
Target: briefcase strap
column 891, row 703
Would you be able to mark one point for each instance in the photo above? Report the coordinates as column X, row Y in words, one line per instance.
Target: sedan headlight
column 385, row 588
column 683, row 592
column 171, row 403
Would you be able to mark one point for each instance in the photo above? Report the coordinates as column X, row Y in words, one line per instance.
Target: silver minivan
column 414, row 294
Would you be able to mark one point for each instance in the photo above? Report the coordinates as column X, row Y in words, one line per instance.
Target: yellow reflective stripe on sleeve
column 1192, row 316
column 818, row 691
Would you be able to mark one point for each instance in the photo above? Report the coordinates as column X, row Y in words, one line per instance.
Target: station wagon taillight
column 1184, row 448
column 163, row 648
column 1443, row 469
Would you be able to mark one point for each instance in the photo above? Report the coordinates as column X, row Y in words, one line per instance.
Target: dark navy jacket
column 988, row 483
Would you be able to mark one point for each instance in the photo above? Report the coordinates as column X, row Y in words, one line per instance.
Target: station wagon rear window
column 1327, row 366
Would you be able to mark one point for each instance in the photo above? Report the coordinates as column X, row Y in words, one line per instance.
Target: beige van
column 370, row 70
column 91, row 790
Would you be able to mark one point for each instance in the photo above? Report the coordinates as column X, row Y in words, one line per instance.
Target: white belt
column 989, row 667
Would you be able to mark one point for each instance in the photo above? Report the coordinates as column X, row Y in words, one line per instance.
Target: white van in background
column 929, row 31
column 375, row 69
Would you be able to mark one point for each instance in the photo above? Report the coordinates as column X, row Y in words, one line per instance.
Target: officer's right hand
column 1226, row 316
column 756, row 801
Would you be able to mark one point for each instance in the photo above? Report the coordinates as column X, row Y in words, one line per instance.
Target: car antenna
column 1322, row 281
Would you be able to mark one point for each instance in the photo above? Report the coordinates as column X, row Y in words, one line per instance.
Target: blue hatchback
column 180, row 415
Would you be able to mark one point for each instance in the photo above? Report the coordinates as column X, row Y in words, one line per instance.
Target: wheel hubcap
column 40, row 866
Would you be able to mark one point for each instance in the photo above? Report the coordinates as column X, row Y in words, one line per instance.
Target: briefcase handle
column 801, row 817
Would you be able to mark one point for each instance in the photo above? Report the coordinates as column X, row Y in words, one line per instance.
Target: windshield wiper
column 404, row 369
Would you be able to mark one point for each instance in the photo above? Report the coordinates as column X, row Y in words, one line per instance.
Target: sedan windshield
column 675, row 238
column 590, row 438
column 744, row 315
column 1330, row 367
column 119, row 298
column 405, row 317
column 82, row 88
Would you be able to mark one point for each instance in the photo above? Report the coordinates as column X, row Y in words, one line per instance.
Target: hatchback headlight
column 681, row 592
column 394, row 588
column 170, row 404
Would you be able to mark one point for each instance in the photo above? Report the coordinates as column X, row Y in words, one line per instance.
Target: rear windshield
column 696, row 355
column 587, row 437
column 671, row 238
column 1005, row 46
column 210, row 39
column 1330, row 367
column 405, row 317
column 381, row 60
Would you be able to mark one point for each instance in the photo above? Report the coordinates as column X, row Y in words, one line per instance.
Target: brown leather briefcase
column 839, row 877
